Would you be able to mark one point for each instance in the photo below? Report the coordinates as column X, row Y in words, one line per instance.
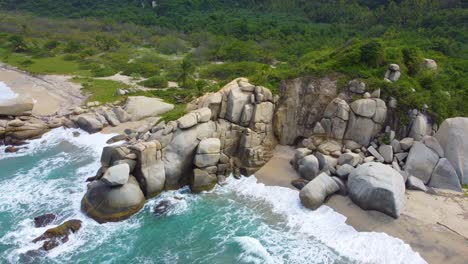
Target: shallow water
column 242, row 222
column 6, row 93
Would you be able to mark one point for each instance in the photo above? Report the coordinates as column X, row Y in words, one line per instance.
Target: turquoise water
column 242, row 222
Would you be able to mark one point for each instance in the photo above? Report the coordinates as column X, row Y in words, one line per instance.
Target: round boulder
column 308, row 167
column 104, row 203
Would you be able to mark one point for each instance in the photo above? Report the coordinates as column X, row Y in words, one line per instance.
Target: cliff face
column 303, row 101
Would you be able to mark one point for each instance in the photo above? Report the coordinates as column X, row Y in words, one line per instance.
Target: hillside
column 267, row 41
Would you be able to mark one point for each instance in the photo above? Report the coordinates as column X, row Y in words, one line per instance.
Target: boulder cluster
column 95, row 117
column 223, row 132
column 17, row 123
column 375, row 167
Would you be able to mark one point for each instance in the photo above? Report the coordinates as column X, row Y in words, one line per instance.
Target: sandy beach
column 53, row 93
column 435, row 226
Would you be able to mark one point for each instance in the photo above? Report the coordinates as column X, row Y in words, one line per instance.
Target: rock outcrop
column 302, row 102
column 231, row 129
column 19, row 106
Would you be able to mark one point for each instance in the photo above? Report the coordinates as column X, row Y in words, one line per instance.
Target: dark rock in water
column 58, row 235
column 90, row 179
column 116, row 138
column 44, row 220
column 76, row 134
column 11, row 149
column 162, row 208
column 299, row 183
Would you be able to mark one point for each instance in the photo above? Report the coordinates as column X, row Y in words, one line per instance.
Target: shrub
column 412, row 58
column 145, row 69
column 372, row 53
column 156, row 81
column 51, row 44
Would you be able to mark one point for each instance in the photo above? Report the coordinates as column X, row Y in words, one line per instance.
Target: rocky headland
column 348, row 142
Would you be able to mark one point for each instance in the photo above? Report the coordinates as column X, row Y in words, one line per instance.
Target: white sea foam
column 6, row 93
column 89, row 142
column 325, row 225
column 30, row 191
column 253, row 251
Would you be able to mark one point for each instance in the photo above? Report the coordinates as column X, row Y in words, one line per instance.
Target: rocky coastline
column 348, row 142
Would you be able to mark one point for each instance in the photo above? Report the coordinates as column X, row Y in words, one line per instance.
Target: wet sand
column 435, row 226
column 53, row 93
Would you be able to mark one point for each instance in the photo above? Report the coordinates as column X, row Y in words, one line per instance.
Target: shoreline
column 55, row 94
column 435, row 226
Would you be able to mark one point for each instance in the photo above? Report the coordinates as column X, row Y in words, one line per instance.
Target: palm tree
column 187, row 69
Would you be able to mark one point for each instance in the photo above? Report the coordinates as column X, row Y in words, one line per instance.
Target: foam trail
column 326, row 225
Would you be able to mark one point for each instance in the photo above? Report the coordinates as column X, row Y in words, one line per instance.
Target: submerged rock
column 162, row 208
column 11, row 149
column 44, row 220
column 58, row 235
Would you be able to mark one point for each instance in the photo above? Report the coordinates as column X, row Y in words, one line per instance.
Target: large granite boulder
column 313, row 195
column 420, row 127
column 202, row 181
column 335, row 119
column 104, row 203
column 179, row 154
column 421, row 161
column 360, row 129
column 237, row 98
column 19, row 106
column 452, row 136
column 139, row 107
column 150, row 171
column 444, row 176
column 89, row 123
column 308, row 167
column 116, row 175
column 375, row 186
column 208, row 153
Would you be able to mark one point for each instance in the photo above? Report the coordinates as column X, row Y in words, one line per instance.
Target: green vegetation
column 101, row 90
column 195, row 42
column 155, row 82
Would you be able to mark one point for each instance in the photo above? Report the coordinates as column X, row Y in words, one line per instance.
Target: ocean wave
column 92, row 142
column 325, row 225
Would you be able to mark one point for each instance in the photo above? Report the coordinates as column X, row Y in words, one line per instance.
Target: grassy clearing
column 101, row 90
column 174, row 114
column 47, row 65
